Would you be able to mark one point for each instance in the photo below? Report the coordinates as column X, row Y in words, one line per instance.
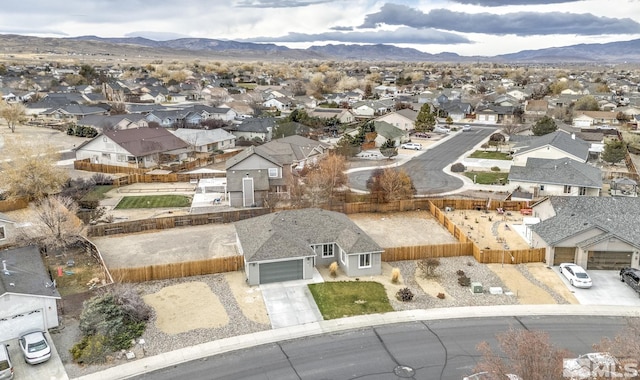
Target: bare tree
column 624, row 346
column 31, row 171
column 528, row 354
column 510, row 128
column 13, row 114
column 325, row 178
column 396, row 184
column 57, row 226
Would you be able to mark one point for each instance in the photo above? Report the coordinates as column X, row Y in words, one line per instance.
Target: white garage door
column 11, row 327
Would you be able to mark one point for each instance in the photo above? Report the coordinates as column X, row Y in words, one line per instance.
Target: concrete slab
column 52, row 369
column 607, row 289
column 290, row 303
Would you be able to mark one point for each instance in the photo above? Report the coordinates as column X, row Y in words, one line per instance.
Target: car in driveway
column 577, row 276
column 35, row 347
column 631, row 276
column 414, row 146
column 6, row 367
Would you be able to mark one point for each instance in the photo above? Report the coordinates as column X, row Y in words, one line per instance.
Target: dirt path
column 249, row 298
column 551, row 279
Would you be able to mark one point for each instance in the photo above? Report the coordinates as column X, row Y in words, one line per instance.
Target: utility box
column 476, row 287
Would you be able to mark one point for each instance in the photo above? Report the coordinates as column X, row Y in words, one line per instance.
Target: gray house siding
column 326, row 261
column 352, row 268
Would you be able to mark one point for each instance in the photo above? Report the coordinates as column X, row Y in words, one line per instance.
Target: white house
column 404, row 119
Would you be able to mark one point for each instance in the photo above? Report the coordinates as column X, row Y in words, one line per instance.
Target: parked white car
column 466, row 128
column 35, row 347
column 577, row 276
column 414, row 146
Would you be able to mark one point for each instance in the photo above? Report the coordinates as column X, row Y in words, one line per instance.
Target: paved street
column 426, row 169
column 441, row 349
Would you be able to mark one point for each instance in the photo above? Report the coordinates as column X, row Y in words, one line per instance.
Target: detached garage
column 28, row 298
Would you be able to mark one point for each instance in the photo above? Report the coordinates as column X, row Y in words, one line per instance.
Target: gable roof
column 199, row 137
column 408, row 113
column 558, row 139
column 254, row 124
column 291, row 233
column 27, row 273
column 387, row 130
column 562, row 171
column 145, row 141
column 617, row 216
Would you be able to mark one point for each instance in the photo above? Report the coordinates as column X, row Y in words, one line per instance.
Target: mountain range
column 613, row 52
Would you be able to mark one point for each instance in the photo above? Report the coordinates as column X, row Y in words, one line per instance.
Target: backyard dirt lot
column 403, row 228
column 167, row 246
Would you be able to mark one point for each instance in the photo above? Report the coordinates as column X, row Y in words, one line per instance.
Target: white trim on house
column 364, row 260
column 3, row 233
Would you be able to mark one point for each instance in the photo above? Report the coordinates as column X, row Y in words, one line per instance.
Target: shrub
column 333, row 269
column 91, row 349
column 101, row 179
column 460, row 272
column 441, row 296
column 404, row 295
column 464, row 281
column 495, row 169
column 458, row 167
column 428, row 266
column 395, row 275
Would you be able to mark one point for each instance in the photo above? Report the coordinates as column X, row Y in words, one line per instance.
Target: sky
column 466, row 27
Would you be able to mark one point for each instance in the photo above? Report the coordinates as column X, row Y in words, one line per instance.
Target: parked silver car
column 6, row 367
column 35, row 347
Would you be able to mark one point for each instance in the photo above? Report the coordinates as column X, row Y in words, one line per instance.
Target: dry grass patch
column 249, row 298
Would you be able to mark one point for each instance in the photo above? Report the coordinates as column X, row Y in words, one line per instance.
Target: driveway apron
column 290, row 303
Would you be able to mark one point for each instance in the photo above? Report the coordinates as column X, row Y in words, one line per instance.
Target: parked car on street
column 466, row 128
column 631, row 277
column 6, row 367
column 35, row 347
column 414, row 146
column 577, row 276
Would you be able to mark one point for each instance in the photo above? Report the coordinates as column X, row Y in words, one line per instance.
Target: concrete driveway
column 607, row 289
column 52, row 369
column 290, row 303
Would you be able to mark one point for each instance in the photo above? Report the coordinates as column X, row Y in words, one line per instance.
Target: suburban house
column 206, row 140
column 287, row 245
column 140, row 148
column 74, row 112
column 404, row 119
column 387, row 132
column 253, row 129
column 558, row 144
column 593, row 232
column 535, row 110
column 592, row 119
column 102, row 122
column 493, row 114
column 268, row 168
column 562, row 176
column 27, row 294
column 344, row 116
column 7, row 230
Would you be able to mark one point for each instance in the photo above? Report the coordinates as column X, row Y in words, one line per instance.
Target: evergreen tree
column 425, row 121
column 614, row 151
column 544, row 126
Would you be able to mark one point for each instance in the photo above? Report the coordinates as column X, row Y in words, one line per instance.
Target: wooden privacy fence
column 420, row 252
column 517, row 256
column 174, row 221
column 178, row 270
column 425, row 204
column 13, row 204
column 163, row 178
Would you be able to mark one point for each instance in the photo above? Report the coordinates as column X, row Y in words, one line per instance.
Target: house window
column 567, row 189
column 343, row 257
column 327, row 250
column 132, row 159
column 541, row 187
column 364, row 260
column 2, row 233
column 273, row 172
column 583, row 191
column 121, row 157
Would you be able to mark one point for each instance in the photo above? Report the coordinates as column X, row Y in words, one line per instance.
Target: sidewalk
column 201, row 351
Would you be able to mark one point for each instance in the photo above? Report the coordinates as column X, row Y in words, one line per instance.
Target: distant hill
column 613, row 52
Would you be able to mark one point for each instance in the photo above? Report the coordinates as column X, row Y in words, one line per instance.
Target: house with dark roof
column 28, row 295
column 269, row 168
column 206, row 140
column 74, row 112
column 138, row 147
column 102, row 122
column 593, row 232
column 387, row 132
column 562, row 177
column 7, row 230
column 252, row 129
column 558, row 144
column 287, row 245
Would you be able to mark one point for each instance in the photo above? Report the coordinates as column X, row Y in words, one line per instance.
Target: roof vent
column 4, row 267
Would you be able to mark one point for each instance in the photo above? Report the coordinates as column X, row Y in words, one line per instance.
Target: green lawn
column 488, row 178
column 98, row 192
column 346, row 299
column 154, row 201
column 490, row 155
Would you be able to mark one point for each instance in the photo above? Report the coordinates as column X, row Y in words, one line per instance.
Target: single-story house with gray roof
column 287, row 245
column 593, row 232
column 558, row 144
column 27, row 294
column 563, row 176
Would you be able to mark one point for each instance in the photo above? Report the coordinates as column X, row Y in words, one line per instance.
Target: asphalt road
column 428, row 350
column 426, row 169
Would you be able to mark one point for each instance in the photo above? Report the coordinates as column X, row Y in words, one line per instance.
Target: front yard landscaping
column 488, row 178
column 154, row 201
column 490, row 155
column 349, row 298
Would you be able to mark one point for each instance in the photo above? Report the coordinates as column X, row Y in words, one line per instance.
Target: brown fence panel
column 489, row 256
column 13, row 204
column 179, row 270
column 426, row 251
